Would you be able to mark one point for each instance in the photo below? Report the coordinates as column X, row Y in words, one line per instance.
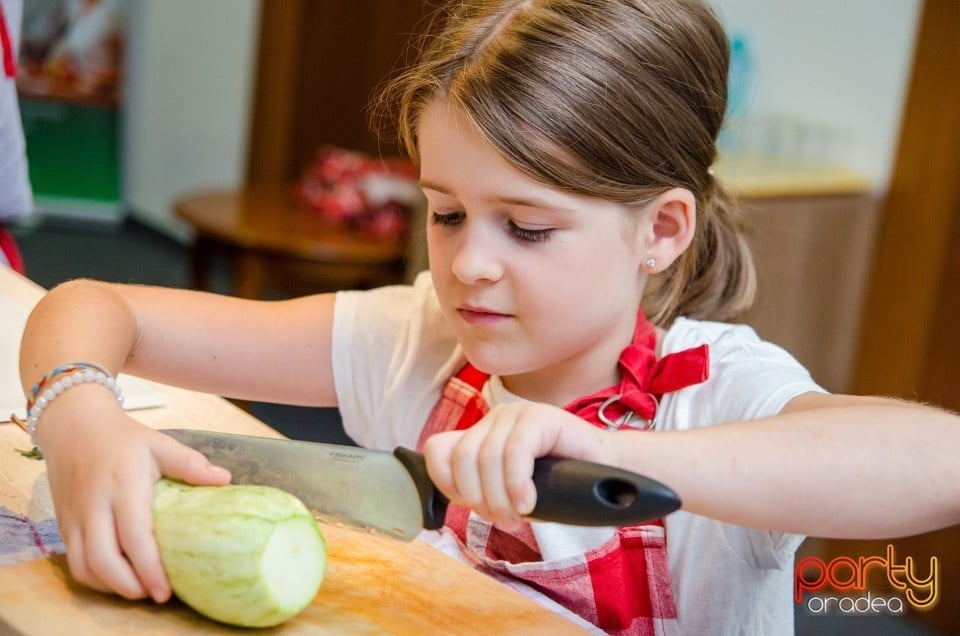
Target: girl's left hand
column 489, row 466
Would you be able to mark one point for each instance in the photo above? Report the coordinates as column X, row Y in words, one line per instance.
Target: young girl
column 565, row 151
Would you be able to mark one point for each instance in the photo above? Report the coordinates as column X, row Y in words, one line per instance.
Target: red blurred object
column 372, row 196
column 8, row 247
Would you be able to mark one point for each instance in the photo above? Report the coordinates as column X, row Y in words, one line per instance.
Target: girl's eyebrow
column 430, row 185
column 517, row 201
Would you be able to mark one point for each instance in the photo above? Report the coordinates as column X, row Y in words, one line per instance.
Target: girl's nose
column 477, row 259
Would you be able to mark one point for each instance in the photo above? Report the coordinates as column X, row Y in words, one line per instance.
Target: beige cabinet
column 813, row 253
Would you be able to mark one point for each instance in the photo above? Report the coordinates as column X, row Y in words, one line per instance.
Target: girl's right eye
column 449, row 218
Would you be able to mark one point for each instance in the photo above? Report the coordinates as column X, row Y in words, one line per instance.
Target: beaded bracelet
column 59, row 380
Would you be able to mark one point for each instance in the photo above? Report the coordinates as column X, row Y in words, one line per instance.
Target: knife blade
column 392, row 492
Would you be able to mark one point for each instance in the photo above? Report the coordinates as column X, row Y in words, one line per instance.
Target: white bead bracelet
column 59, row 380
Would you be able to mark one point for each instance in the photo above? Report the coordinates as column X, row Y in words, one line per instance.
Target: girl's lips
column 480, row 316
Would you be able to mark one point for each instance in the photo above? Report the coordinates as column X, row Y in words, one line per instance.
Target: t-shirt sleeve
column 749, row 379
column 358, row 347
column 391, row 352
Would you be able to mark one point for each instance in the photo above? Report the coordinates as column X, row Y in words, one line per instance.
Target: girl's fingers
column 466, row 477
column 518, row 463
column 538, row 430
column 494, row 457
column 76, row 559
column 134, row 529
column 104, row 559
column 469, row 467
column 437, row 451
column 536, row 433
column 489, row 467
column 452, row 465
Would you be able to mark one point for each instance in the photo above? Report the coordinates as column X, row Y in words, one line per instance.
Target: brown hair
column 615, row 99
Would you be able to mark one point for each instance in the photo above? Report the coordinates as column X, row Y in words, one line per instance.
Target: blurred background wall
column 824, row 74
column 189, row 86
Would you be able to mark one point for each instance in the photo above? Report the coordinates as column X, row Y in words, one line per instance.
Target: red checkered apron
column 622, row 586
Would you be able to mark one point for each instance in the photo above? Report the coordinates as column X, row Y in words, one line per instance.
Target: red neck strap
column 644, row 379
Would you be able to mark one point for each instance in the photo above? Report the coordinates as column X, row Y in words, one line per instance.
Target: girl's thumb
column 178, row 462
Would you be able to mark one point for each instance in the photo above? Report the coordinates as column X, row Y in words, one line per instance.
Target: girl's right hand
column 102, row 468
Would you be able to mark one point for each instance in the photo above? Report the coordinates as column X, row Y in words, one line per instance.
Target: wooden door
column 319, row 65
column 910, row 343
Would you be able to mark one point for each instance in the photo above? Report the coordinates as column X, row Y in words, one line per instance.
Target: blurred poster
column 72, row 50
column 70, row 86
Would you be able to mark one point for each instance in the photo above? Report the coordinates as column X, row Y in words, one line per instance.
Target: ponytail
column 715, row 278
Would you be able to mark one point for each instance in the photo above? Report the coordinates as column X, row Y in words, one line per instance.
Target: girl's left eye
column 449, row 218
column 526, row 235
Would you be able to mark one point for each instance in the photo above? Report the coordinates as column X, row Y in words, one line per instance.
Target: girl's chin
column 499, row 365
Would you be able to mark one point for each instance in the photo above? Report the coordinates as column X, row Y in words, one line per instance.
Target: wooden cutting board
column 374, row 585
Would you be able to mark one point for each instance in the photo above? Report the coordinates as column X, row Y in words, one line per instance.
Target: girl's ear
column 669, row 223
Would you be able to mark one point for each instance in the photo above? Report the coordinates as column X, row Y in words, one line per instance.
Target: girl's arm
column 270, row 351
column 833, row 466
column 101, row 463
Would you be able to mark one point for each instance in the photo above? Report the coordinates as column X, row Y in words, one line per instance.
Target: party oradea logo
column 842, row 585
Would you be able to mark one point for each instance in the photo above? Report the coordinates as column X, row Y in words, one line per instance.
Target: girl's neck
column 556, row 388
column 571, row 379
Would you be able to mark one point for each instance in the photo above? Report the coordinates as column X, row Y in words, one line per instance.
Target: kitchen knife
column 392, row 493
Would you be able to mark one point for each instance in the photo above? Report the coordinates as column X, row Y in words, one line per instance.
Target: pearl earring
column 650, row 263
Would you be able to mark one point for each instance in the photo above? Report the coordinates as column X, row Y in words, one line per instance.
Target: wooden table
column 374, row 585
column 272, row 237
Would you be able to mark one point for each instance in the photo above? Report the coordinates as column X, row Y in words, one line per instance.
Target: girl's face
column 541, row 287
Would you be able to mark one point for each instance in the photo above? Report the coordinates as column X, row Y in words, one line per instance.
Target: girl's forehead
column 457, row 162
column 452, row 150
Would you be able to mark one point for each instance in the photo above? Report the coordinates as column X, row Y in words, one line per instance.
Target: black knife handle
column 585, row 493
column 569, row 491
column 432, row 501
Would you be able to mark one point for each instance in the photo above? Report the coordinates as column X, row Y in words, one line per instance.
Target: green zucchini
column 243, row 555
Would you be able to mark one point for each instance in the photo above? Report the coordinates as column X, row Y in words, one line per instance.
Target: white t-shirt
column 393, row 353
